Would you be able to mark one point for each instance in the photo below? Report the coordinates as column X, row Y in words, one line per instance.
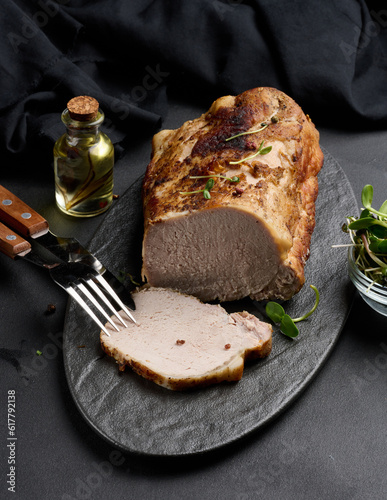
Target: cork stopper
column 83, row 108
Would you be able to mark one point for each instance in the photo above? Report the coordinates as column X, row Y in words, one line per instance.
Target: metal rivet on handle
column 10, row 237
column 26, row 215
column 7, row 202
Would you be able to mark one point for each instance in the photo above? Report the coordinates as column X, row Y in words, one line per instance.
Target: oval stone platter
column 136, row 415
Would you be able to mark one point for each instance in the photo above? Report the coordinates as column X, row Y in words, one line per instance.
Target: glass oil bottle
column 83, row 161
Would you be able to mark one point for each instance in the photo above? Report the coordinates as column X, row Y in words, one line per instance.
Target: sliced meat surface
column 250, row 238
column 181, row 343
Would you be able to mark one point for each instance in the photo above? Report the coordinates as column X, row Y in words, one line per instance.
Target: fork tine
column 92, row 299
column 77, row 278
column 107, row 302
column 70, row 290
column 109, row 289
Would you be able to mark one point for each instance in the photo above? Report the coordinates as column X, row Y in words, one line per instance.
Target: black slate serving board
column 138, row 416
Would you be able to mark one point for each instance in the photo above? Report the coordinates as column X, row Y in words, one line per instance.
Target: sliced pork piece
column 250, row 238
column 181, row 343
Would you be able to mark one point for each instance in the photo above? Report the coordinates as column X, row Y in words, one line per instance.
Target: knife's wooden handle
column 18, row 215
column 12, row 244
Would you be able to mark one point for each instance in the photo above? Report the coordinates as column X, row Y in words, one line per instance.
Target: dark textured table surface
column 331, row 443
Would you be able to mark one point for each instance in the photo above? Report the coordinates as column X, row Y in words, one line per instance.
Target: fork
column 30, row 224
column 77, row 279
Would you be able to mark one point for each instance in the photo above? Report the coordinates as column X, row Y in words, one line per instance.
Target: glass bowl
column 375, row 295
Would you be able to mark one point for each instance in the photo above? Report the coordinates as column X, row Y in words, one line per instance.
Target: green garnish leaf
column 288, row 327
column 266, row 150
column 365, row 213
column 366, row 199
column 369, row 239
column 206, row 191
column 378, row 231
column 39, row 353
column 382, row 247
column 383, row 208
column 209, row 184
column 367, row 195
column 261, row 151
column 275, row 311
column 362, row 223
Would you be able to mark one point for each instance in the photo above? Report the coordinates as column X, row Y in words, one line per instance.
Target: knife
column 23, row 219
column 76, row 278
column 13, row 245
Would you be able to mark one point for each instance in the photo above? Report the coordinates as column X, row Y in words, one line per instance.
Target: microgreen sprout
column 206, row 191
column 231, row 179
column 367, row 195
column 122, row 275
column 263, row 126
column 261, row 151
column 369, row 238
column 287, row 325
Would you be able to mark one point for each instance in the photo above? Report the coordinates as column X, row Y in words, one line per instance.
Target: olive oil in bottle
column 83, row 161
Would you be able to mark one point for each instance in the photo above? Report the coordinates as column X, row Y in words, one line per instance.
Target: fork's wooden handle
column 18, row 215
column 12, row 244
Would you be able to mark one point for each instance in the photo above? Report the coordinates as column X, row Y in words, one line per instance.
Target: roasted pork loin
column 252, row 237
column 181, row 343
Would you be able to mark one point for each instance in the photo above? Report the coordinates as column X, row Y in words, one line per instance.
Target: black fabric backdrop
column 330, row 56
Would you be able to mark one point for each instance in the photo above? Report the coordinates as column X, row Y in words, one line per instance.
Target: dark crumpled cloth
column 330, row 56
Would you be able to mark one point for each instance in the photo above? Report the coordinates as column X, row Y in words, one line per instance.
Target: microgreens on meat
column 209, row 184
column 261, row 151
column 369, row 237
column 287, row 325
column 263, row 126
column 231, row 179
column 273, row 119
column 206, row 191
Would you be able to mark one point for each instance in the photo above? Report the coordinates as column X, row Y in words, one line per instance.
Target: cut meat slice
column 181, row 343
